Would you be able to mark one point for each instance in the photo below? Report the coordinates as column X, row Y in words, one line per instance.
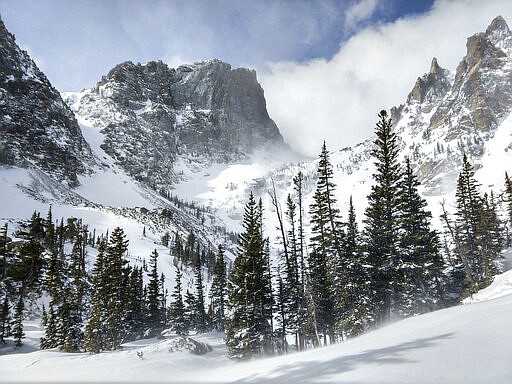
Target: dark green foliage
column 248, row 330
column 508, row 202
column 17, row 323
column 325, row 245
column 4, row 320
column 135, row 310
column 418, row 268
column 353, row 304
column 382, row 222
column 115, row 272
column 153, row 298
column 177, row 308
column 477, row 231
column 218, row 292
column 201, row 318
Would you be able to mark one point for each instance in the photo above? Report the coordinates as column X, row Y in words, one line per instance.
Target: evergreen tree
column 177, row 308
column 49, row 340
column 4, row 320
column 95, row 332
column 325, row 247
column 201, row 320
column 508, row 201
column 248, row 329
column 492, row 240
column 49, row 238
column 135, row 305
column 154, row 316
column 382, row 222
column 478, row 231
column 189, row 300
column 218, row 292
column 419, row 267
column 17, row 324
column 304, row 317
column 353, row 304
column 114, row 283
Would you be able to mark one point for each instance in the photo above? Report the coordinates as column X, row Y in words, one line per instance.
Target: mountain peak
column 432, row 85
column 434, row 67
column 499, row 34
column 37, row 128
column 498, row 25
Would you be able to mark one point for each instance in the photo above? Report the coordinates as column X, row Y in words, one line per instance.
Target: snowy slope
column 464, row 344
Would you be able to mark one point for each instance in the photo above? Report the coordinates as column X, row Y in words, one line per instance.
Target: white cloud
column 338, row 99
column 360, row 11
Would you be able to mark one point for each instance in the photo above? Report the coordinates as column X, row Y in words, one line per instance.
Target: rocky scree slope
column 155, row 119
column 37, row 129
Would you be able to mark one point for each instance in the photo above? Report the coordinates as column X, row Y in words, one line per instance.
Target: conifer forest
column 330, row 277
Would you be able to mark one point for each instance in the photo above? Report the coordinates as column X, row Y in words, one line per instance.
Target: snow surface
column 463, row 344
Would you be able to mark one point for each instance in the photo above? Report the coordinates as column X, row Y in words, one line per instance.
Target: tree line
column 343, row 281
column 334, row 284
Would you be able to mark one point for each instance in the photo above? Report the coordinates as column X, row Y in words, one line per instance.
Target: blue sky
column 77, row 41
column 341, row 61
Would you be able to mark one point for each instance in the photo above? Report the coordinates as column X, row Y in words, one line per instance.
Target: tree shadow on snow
column 322, row 371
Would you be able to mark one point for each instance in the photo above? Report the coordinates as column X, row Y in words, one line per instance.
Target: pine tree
column 325, row 247
column 218, row 292
column 353, row 304
column 17, row 324
column 94, row 329
column 492, row 240
column 508, row 201
column 49, row 238
column 468, row 226
column 114, row 284
column 201, row 320
column 135, row 305
column 248, row 328
column 49, row 340
column 154, row 317
column 382, row 222
column 4, row 320
column 419, row 266
column 177, row 308
column 303, row 315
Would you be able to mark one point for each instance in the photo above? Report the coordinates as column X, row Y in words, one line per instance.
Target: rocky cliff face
column 153, row 116
column 37, row 129
column 448, row 114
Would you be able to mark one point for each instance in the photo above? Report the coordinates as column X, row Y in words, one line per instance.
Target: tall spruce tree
column 115, row 276
column 248, row 328
column 353, row 304
column 17, row 323
column 177, row 308
column 325, row 245
column 4, row 320
column 153, row 302
column 95, row 332
column 418, row 270
column 382, row 222
column 201, row 318
column 303, row 316
column 508, row 201
column 218, row 292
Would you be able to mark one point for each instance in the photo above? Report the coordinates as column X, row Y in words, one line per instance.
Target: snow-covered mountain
column 38, row 130
column 158, row 121
column 445, row 115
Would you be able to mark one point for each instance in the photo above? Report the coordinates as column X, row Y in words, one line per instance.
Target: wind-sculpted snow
column 462, row 344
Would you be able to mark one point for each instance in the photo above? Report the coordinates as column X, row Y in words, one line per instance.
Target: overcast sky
column 327, row 66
